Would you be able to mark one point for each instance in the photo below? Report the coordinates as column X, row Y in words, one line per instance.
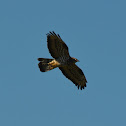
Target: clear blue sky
column 95, row 32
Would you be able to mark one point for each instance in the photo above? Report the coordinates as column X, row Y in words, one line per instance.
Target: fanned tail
column 44, row 64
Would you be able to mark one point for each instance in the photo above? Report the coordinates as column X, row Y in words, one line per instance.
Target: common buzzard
column 59, row 51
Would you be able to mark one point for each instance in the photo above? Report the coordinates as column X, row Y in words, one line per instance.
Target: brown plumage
column 59, row 51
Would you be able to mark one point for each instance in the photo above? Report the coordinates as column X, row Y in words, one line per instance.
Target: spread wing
column 56, row 46
column 75, row 74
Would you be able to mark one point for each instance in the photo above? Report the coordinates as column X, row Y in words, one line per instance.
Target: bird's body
column 59, row 51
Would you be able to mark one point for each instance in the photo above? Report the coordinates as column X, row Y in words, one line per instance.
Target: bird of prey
column 62, row 59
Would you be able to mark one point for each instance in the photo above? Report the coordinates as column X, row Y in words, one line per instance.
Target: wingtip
column 53, row 33
column 80, row 87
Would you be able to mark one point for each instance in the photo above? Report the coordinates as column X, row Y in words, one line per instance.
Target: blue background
column 95, row 32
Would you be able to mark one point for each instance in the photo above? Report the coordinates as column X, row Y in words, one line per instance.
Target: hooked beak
column 77, row 60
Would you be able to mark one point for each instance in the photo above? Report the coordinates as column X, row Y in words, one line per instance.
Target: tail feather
column 44, row 60
column 44, row 64
column 44, row 67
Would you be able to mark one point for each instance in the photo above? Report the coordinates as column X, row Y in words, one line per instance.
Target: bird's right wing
column 75, row 74
column 56, row 46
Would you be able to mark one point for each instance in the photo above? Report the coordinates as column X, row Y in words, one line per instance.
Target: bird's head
column 74, row 60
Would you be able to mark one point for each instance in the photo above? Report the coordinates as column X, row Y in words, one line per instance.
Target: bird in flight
column 62, row 59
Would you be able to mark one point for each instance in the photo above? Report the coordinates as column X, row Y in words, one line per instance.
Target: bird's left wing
column 75, row 74
column 56, row 46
